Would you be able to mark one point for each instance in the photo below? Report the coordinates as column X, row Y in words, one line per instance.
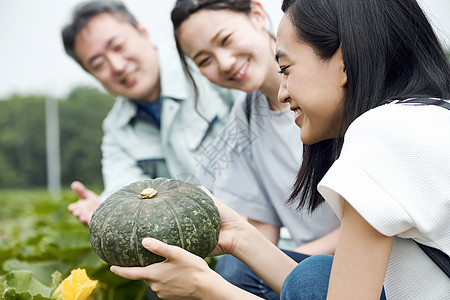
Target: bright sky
column 33, row 60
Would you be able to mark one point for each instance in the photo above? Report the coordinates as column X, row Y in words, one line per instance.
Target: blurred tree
column 22, row 142
column 81, row 116
column 22, row 138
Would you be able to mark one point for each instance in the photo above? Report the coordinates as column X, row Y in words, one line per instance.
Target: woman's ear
column 342, row 67
column 258, row 14
column 344, row 78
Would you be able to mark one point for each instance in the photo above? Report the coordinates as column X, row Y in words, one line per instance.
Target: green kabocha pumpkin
column 169, row 210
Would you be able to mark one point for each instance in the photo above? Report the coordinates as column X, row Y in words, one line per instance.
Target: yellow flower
column 77, row 286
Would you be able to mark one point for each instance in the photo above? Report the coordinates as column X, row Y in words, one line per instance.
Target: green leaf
column 66, row 245
column 12, row 294
column 42, row 270
column 90, row 261
column 23, row 284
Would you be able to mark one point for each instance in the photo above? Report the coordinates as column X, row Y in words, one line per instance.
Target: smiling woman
column 319, row 82
column 215, row 48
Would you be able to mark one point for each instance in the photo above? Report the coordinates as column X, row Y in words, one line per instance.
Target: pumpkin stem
column 148, row 193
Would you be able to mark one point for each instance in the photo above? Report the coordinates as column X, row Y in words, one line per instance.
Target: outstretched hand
column 179, row 276
column 86, row 205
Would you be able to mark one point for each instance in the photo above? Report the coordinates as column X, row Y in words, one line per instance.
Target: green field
column 39, row 238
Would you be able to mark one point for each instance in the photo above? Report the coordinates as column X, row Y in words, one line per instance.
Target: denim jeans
column 309, row 280
column 237, row 273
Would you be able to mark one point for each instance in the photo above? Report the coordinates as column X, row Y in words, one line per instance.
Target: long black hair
column 390, row 51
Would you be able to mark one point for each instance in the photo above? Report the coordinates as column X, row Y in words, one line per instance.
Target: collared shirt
column 150, row 112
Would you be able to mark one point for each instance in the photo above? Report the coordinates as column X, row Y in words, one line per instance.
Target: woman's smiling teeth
column 242, row 72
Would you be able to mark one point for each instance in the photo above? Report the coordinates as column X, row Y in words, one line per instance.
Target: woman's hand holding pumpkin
column 179, row 276
column 183, row 274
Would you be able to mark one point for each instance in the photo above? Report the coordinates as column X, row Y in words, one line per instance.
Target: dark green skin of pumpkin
column 180, row 214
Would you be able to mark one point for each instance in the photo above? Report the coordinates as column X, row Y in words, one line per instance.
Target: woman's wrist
column 248, row 238
column 267, row 261
column 214, row 286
